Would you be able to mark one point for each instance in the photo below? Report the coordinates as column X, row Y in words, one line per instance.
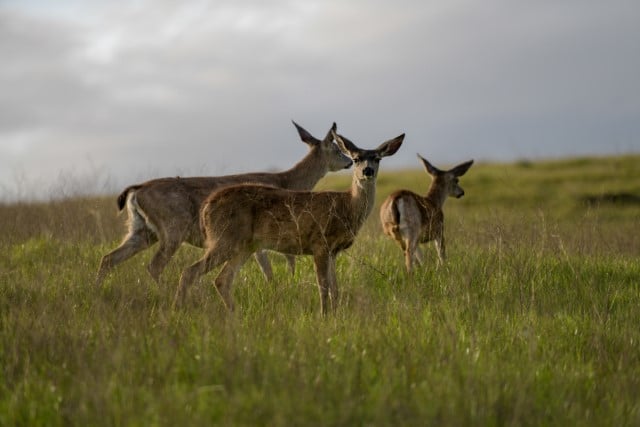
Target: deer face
column 453, row 186
column 335, row 159
column 366, row 162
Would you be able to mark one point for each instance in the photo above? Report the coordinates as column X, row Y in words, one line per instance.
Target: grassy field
column 534, row 320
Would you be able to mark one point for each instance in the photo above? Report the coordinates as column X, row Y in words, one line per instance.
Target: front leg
column 440, row 249
column 334, row 296
column 265, row 265
column 291, row 261
column 322, row 264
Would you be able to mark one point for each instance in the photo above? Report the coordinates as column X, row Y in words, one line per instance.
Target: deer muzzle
column 368, row 172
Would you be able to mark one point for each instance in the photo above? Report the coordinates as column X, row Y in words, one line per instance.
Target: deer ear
column 333, row 130
column 305, row 136
column 461, row 169
column 390, row 147
column 431, row 170
column 346, row 146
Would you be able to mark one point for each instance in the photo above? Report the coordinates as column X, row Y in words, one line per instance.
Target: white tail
column 166, row 210
column 241, row 219
column 411, row 219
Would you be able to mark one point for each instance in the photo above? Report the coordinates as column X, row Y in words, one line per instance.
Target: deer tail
column 122, row 198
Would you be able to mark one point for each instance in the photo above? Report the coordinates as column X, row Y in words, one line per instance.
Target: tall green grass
column 533, row 319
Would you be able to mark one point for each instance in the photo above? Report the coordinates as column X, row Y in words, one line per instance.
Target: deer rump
column 410, row 211
column 263, row 217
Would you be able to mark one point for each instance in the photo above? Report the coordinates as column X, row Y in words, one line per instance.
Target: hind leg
column 411, row 250
column 212, row 258
column 172, row 232
column 224, row 281
column 160, row 260
column 134, row 243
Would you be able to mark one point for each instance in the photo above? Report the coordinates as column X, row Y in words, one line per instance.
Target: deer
column 239, row 220
column 411, row 219
column 165, row 210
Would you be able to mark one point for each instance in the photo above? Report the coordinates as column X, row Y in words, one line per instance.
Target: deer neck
column 436, row 195
column 363, row 195
column 305, row 174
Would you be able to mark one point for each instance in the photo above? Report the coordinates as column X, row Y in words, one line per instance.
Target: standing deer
column 411, row 219
column 242, row 219
column 166, row 210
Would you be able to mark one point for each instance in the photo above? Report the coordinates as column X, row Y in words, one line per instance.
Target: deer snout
column 348, row 165
column 368, row 172
column 460, row 194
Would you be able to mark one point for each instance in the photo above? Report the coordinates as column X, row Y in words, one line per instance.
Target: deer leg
column 162, row 257
column 408, row 234
column 408, row 261
column 411, row 247
column 440, row 249
column 211, row 259
column 265, row 265
column 334, row 296
column 291, row 261
column 418, row 258
column 322, row 264
column 134, row 243
column 224, row 280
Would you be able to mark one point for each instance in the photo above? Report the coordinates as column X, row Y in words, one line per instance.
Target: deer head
column 327, row 149
column 366, row 162
column 447, row 181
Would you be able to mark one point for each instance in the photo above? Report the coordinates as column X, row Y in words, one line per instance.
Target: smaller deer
column 240, row 220
column 411, row 219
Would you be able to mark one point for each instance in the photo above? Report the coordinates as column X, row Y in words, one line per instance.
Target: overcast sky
column 109, row 93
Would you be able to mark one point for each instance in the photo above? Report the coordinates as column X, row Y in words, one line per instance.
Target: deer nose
column 368, row 172
column 348, row 164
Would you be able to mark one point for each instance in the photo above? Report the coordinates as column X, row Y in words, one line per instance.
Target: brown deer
column 242, row 219
column 166, row 210
column 411, row 219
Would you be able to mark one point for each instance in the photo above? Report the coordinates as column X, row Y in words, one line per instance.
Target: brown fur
column 411, row 219
column 242, row 219
column 166, row 210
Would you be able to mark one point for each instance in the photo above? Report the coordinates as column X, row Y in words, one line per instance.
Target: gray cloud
column 129, row 92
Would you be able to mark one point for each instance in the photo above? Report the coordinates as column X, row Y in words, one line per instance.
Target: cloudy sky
column 95, row 95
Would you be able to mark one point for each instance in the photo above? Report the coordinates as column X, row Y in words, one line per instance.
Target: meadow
column 534, row 319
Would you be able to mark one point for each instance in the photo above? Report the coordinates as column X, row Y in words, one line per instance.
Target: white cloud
column 161, row 87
